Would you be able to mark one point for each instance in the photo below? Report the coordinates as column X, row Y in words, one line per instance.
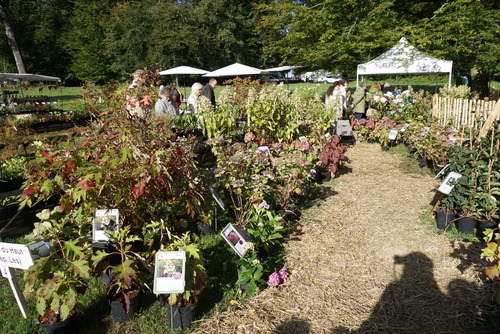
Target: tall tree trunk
column 11, row 38
column 480, row 78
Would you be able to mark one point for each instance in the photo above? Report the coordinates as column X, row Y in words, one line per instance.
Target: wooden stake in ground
column 493, row 116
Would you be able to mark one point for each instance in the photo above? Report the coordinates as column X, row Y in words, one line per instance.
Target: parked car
column 272, row 79
column 328, row 79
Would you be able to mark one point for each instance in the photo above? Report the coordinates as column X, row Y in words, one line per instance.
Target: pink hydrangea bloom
column 264, row 205
column 283, row 274
column 274, row 279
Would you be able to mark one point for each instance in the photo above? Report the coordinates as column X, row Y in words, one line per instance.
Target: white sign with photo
column 234, row 238
column 104, row 220
column 170, row 272
column 264, row 149
column 393, row 134
column 449, row 183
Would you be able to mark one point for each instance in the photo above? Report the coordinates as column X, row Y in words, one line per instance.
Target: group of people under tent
column 170, row 98
column 362, row 100
column 168, row 104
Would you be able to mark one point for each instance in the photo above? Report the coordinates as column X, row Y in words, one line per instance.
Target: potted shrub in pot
column 181, row 306
column 128, row 276
column 476, row 193
column 60, row 279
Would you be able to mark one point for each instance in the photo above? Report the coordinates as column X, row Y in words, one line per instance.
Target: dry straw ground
column 361, row 261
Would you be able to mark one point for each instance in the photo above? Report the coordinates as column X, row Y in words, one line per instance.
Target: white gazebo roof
column 234, row 70
column 404, row 58
column 183, row 70
column 27, row 77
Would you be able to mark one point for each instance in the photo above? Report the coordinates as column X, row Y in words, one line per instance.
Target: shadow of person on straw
column 414, row 302
column 293, row 326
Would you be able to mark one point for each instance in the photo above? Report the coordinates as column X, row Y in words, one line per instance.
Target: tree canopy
column 102, row 40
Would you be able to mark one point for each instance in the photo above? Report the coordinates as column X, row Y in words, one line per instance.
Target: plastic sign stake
column 15, row 256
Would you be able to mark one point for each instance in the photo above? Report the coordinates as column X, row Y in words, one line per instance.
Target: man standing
column 358, row 105
column 208, row 90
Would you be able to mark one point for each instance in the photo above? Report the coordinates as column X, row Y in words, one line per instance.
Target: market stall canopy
column 26, row 77
column 403, row 58
column 183, row 70
column 235, row 69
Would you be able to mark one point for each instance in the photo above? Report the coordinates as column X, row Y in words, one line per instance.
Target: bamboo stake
column 491, row 118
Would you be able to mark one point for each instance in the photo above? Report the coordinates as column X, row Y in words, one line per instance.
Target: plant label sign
column 104, row 220
column 170, row 272
column 239, row 243
column 217, row 198
column 15, row 256
column 449, row 183
column 302, row 138
column 442, row 171
column 393, row 134
column 264, row 149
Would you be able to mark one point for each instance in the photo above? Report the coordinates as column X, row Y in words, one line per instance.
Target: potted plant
column 181, row 306
column 477, row 191
column 128, row 274
column 60, row 279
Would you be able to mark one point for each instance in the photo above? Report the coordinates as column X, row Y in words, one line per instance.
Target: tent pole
column 449, row 79
column 357, row 80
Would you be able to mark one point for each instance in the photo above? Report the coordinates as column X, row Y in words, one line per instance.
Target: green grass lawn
column 64, row 96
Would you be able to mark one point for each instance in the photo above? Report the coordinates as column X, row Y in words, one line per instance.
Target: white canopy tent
column 403, row 58
column 26, row 77
column 183, row 70
column 235, row 69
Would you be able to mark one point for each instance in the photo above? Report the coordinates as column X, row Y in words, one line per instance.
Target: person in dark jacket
column 208, row 90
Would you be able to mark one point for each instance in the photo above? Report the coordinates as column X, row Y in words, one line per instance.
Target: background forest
column 102, row 40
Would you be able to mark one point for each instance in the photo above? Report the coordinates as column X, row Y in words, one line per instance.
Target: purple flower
column 274, row 279
column 264, row 205
column 283, row 274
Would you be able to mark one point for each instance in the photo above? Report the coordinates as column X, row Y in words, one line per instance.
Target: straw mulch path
column 361, row 261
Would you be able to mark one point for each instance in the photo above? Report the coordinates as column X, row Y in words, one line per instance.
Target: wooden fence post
column 489, row 121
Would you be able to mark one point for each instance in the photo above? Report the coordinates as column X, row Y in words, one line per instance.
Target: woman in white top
column 333, row 98
column 193, row 97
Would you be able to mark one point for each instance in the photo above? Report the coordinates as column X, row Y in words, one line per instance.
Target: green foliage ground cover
column 68, row 97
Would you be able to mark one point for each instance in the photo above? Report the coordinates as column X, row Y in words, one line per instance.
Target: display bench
column 14, row 102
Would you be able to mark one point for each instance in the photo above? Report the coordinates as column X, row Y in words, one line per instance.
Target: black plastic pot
column 61, row 327
column 180, row 318
column 205, row 229
column 466, row 225
column 424, row 163
column 118, row 313
column 385, row 148
column 482, row 225
column 444, row 220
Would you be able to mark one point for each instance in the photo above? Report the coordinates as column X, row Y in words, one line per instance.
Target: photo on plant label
column 235, row 240
column 104, row 220
column 169, row 272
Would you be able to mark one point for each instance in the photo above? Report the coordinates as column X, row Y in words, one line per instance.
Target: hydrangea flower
column 283, row 274
column 264, row 205
column 274, row 279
